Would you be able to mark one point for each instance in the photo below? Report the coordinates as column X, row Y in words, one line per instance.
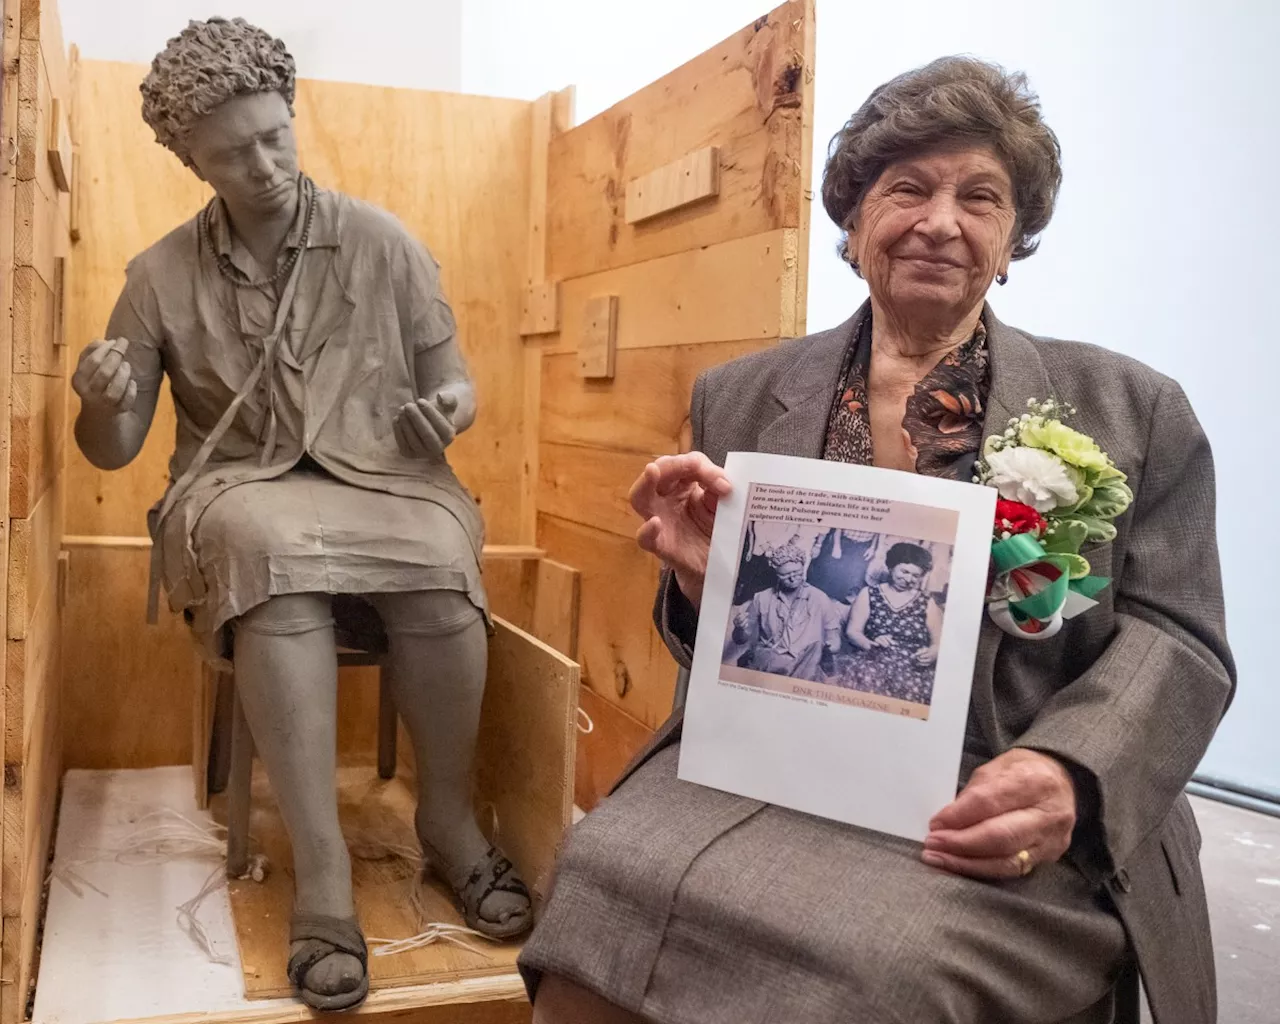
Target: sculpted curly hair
column 952, row 101
column 205, row 65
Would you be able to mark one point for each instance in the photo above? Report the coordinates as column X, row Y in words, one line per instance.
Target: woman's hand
column 424, row 429
column 926, row 656
column 1021, row 800
column 676, row 496
column 104, row 379
column 884, row 640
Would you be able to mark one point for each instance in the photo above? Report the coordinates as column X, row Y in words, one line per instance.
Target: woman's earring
column 1002, row 278
column 856, row 269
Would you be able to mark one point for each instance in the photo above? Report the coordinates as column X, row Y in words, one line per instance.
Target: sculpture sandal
column 492, row 873
column 322, row 936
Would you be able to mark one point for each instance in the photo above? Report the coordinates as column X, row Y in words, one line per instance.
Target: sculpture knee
column 425, row 612
column 288, row 615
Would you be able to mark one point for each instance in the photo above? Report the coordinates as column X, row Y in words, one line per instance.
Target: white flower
column 1033, row 477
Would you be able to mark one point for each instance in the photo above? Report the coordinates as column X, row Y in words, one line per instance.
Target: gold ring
column 1025, row 866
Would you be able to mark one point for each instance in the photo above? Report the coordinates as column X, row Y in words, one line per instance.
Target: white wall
column 1166, row 239
column 406, row 43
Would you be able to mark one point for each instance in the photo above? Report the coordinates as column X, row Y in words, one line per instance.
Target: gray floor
column 1241, row 860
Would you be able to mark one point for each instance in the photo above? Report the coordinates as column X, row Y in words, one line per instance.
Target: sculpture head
column 220, row 96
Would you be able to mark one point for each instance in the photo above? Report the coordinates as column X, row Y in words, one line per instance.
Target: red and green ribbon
column 1036, row 583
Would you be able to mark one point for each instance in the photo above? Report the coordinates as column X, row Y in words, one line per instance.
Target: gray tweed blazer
column 1128, row 694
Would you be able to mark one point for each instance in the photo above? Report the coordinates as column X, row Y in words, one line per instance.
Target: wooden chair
column 232, row 760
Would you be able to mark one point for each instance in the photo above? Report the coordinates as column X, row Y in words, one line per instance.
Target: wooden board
column 681, row 299
column 495, row 1000
column 116, row 664
column 35, row 316
column 557, row 606
column 616, row 639
column 615, row 738
column 589, row 486
column 40, row 231
column 643, row 411
column 689, row 179
column 598, row 348
column 31, row 788
column 744, row 96
column 33, row 556
column 37, row 438
column 524, row 769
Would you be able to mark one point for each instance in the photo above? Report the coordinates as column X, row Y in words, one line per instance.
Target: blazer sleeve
column 1136, row 724
column 673, row 613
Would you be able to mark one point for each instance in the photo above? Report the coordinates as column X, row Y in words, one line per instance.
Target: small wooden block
column 599, row 343
column 75, row 197
column 540, row 310
column 679, row 183
column 60, row 153
column 59, row 300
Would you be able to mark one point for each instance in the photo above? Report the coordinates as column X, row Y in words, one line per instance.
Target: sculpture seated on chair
column 317, row 381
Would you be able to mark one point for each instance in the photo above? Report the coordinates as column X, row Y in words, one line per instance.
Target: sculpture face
column 245, row 149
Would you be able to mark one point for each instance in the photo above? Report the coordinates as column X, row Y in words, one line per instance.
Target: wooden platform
column 374, row 814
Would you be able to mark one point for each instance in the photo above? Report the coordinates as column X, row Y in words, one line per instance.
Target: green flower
column 1071, row 446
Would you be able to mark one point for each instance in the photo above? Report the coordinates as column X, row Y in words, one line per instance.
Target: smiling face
column 245, row 149
column 933, row 232
column 906, row 576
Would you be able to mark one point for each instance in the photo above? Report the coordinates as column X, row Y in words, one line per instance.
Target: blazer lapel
column 1017, row 374
column 805, row 392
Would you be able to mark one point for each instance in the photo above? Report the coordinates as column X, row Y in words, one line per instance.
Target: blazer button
column 1121, row 881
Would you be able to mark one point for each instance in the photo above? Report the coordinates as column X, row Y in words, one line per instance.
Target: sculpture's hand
column 676, row 496
column 104, row 380
column 424, row 429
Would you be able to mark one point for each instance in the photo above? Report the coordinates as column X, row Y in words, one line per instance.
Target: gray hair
column 951, row 101
column 205, row 65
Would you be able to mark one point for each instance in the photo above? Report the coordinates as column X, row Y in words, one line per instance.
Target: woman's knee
column 288, row 615
column 425, row 612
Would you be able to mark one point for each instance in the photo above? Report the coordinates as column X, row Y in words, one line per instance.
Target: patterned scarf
column 943, row 420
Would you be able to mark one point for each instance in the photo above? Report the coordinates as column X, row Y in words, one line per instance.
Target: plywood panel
column 724, row 292
column 525, row 751
column 589, row 486
column 643, row 410
column 557, row 607
column 744, row 96
column 40, row 231
column 462, row 193
column 615, row 738
column 618, row 647
column 33, row 555
column 35, row 336
column 117, row 664
column 496, row 1000
column 37, row 439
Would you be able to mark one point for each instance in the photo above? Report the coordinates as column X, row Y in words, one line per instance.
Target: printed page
column 836, row 640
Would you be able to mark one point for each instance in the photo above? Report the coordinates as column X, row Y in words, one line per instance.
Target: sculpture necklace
column 228, row 269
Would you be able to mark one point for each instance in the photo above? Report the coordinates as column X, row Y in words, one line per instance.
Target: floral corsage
column 1058, row 492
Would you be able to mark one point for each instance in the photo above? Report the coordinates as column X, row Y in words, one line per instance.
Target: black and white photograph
column 849, row 609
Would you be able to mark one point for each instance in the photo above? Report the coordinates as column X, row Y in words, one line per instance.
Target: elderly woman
column 896, row 628
column 1070, row 851
column 317, row 383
